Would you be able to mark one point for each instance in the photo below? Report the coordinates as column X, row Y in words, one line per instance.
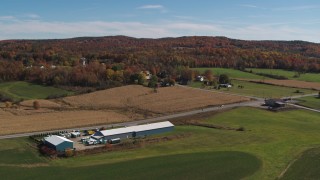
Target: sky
column 238, row 19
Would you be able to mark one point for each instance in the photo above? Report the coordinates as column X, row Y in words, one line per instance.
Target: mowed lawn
column 270, row 142
column 232, row 73
column 312, row 77
column 259, row 90
column 24, row 90
column 310, row 101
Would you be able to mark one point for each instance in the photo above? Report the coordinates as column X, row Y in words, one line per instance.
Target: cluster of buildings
column 60, row 143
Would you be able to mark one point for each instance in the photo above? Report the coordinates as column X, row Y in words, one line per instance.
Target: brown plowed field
column 43, row 103
column 56, row 120
column 166, row 100
column 120, row 104
column 113, row 98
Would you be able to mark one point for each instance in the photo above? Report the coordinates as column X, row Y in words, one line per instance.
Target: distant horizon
column 286, row 20
column 44, row 39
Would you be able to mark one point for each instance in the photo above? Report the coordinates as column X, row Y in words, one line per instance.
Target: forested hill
column 194, row 51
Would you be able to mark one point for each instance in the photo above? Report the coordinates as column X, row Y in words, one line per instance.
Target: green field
column 259, row 90
column 181, row 166
column 24, row 90
column 232, row 73
column 312, row 77
column 310, row 101
column 18, row 151
column 270, row 142
column 305, row 167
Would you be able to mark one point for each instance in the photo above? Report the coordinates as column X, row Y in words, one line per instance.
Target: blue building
column 134, row 131
column 58, row 143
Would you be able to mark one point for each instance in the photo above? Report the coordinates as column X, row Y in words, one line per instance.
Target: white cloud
column 36, row 29
column 185, row 17
column 296, row 8
column 41, row 29
column 32, row 16
column 248, row 5
column 151, row 7
column 7, row 18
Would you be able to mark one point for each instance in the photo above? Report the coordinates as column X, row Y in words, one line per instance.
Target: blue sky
column 240, row 19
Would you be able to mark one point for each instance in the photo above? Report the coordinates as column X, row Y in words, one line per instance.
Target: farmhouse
column 148, row 75
column 134, row 131
column 200, row 78
column 58, row 143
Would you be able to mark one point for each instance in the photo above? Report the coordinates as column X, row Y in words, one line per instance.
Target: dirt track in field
column 115, row 105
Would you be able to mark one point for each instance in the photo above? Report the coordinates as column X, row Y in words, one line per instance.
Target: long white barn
column 134, row 131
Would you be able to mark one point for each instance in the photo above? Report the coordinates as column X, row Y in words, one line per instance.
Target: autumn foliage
column 101, row 61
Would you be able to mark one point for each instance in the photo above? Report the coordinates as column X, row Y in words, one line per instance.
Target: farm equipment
column 88, row 132
column 75, row 133
column 65, row 135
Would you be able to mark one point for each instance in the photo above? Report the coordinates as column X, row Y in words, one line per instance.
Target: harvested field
column 166, row 100
column 115, row 97
column 115, row 105
column 56, row 120
column 4, row 113
column 175, row 99
column 289, row 83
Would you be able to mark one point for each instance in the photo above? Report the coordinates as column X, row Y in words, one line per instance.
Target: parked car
column 91, row 142
column 84, row 139
column 114, row 141
column 225, row 85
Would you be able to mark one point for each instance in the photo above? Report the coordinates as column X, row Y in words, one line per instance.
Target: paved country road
column 256, row 102
column 302, row 107
column 156, row 119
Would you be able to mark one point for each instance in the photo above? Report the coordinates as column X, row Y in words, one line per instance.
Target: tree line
column 118, row 60
column 92, row 74
column 166, row 52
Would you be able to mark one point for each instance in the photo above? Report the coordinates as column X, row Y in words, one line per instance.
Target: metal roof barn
column 135, row 131
column 58, row 143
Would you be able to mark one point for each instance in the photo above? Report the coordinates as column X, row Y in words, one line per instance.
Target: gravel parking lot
column 79, row 146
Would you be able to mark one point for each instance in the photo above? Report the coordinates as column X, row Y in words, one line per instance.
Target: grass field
column 305, row 167
column 264, row 90
column 24, row 90
column 289, row 83
column 209, row 165
column 312, row 77
column 232, row 73
column 260, row 90
column 17, row 152
column 269, row 143
column 310, row 101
